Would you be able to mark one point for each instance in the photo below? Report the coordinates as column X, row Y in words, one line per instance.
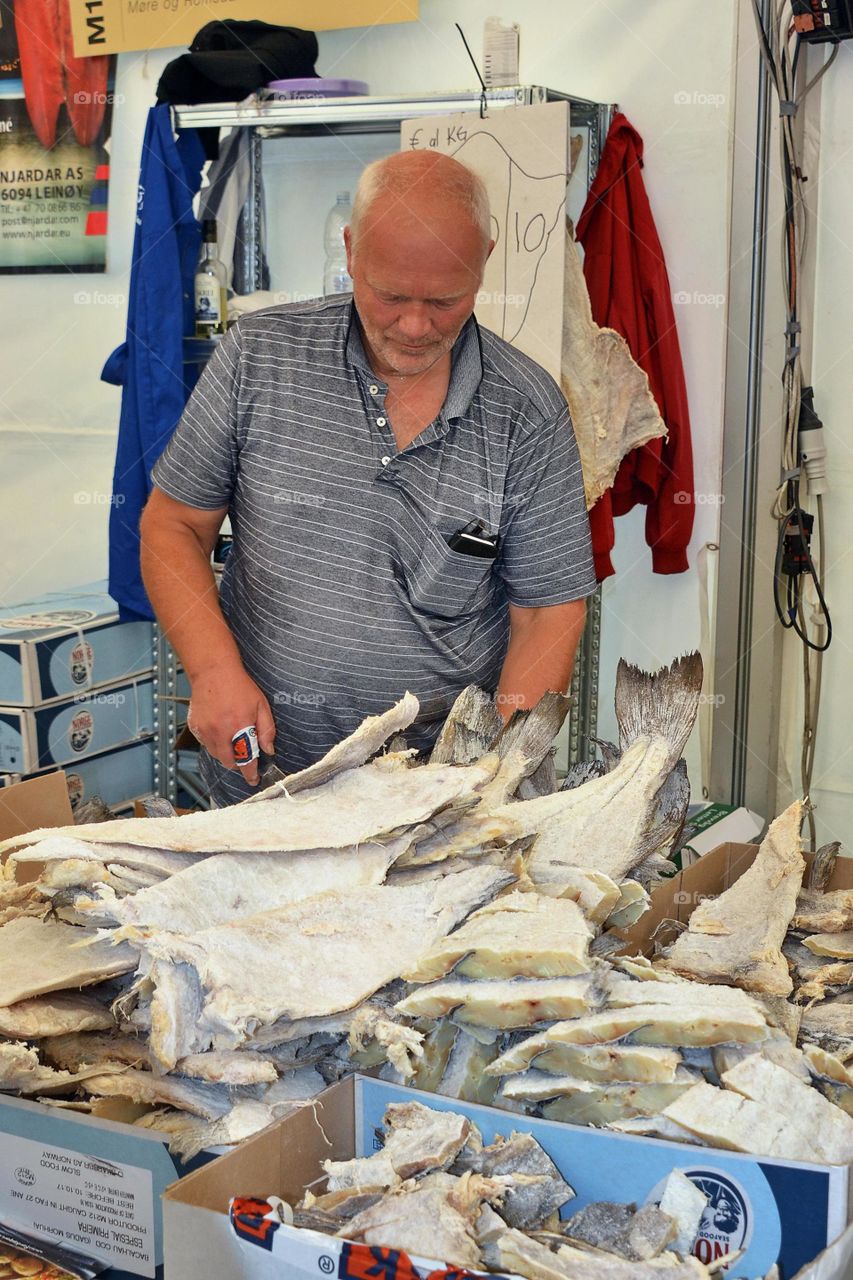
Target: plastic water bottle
column 336, row 278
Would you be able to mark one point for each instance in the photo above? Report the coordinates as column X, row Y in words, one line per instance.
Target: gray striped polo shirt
column 341, row 589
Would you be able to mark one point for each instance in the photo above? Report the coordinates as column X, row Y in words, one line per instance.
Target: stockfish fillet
column 602, row 1062
column 54, row 1015
column 765, row 1082
column 519, row 935
column 606, row 824
column 818, row 912
column 738, row 936
column 320, row 956
column 351, row 808
column 232, row 885
column 517, row 1002
column 420, row 1140
column 664, row 1024
column 726, row 1119
column 838, row 946
column 38, row 956
column 521, row 1254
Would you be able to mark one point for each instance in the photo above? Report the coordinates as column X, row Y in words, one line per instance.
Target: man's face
column 415, row 277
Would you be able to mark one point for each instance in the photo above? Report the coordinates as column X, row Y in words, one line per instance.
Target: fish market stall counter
column 768, row 1210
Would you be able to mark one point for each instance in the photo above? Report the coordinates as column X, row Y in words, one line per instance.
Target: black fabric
column 229, row 60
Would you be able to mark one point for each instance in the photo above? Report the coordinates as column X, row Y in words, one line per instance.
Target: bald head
column 416, row 185
column 416, row 249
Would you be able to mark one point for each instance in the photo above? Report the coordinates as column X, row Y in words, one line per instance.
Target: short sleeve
column 546, row 549
column 199, row 465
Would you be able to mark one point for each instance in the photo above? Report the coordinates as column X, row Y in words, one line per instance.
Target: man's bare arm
column 541, row 654
column 175, row 555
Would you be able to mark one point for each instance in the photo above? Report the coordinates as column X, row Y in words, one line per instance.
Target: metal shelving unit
column 269, row 117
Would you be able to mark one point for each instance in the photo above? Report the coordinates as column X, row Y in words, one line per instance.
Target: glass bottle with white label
column 211, row 287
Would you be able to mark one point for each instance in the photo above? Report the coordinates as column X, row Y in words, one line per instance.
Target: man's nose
column 414, row 320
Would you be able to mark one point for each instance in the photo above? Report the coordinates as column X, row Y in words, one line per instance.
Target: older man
column 404, row 491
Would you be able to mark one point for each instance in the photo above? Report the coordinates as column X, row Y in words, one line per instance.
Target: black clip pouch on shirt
column 473, row 540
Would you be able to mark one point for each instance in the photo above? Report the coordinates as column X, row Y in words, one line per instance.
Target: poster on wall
column 55, row 118
column 522, row 155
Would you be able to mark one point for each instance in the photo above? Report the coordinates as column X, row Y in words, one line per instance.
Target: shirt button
column 380, row 422
column 385, row 460
column 374, row 390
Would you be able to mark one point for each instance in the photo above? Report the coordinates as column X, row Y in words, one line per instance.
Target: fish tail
column 659, row 704
column 531, row 733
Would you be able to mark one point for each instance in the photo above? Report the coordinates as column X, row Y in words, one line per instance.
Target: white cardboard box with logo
column 63, row 644
column 34, row 738
column 773, row 1210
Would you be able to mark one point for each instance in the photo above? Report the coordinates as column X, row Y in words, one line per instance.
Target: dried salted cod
column 830, row 912
column 777, row 1048
column 516, row 1002
column 727, row 1119
column 63, row 848
column 613, row 410
column 229, row 1066
column 599, row 1104
column 352, row 807
column 537, row 1189
column 825, row 978
column 399, row 1044
column 39, row 956
column 665, row 1024
column 838, row 946
column 323, row 951
column 464, row 1076
column 353, row 751
column 830, row 1027
column 535, row 1086
column 595, row 893
column 197, row 1097
column 602, row 1062
column 685, row 1204
column 90, row 1049
column 772, row 1086
column 471, row 726
column 21, row 1071
column 518, row 935
column 419, row 1140
column 604, row 824
column 232, row 885
column 738, row 936
column 54, row 1015
column 521, row 1254
column 623, row 1229
column 432, row 1218
column 622, row 992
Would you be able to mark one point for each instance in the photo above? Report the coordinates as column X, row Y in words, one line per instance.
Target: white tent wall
column 670, row 66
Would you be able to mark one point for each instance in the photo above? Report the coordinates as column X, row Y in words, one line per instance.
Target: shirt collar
column 466, row 369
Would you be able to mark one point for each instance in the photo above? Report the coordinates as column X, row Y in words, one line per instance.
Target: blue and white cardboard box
column 119, row 776
column 63, row 644
column 774, row 1210
column 92, row 1182
column 35, row 738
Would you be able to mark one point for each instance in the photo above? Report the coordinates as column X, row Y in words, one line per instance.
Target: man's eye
column 444, row 304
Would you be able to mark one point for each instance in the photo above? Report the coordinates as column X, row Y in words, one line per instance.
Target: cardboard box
column 95, row 1183
column 32, row 739
column 712, row 825
column 119, row 777
column 717, row 871
column 40, row 802
column 59, row 645
column 773, row 1209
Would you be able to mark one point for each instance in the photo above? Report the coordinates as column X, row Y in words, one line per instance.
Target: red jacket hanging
column 629, row 291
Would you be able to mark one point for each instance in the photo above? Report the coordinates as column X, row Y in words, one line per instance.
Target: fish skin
column 837, row 946
column 471, row 726
column 62, row 847
column 418, row 1140
column 737, row 937
column 55, row 1014
column 527, row 1205
column 830, row 1027
column 36, row 31
column 605, row 824
column 818, row 912
column 768, row 1084
column 522, row 1255
column 465, row 1073
column 634, row 1234
column 40, row 956
column 85, row 82
column 205, row 991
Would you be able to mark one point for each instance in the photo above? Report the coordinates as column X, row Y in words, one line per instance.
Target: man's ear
column 489, row 250
column 348, row 246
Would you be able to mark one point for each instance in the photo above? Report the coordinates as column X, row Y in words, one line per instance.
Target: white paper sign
column 100, row 1207
column 522, row 155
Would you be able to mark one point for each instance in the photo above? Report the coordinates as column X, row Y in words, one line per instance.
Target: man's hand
column 225, row 700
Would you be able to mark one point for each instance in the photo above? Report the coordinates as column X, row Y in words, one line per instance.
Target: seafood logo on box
column 726, row 1225
column 74, row 783
column 81, row 662
column 80, row 730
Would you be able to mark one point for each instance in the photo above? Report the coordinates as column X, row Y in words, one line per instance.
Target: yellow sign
column 118, row 26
